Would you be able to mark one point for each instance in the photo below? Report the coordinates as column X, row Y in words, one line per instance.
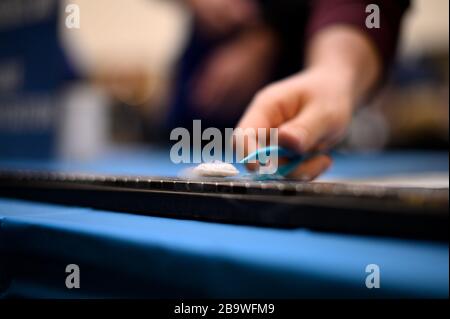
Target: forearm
column 348, row 56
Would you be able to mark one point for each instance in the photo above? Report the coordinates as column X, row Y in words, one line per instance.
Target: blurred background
column 74, row 93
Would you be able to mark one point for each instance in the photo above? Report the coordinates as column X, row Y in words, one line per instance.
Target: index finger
column 274, row 105
column 269, row 109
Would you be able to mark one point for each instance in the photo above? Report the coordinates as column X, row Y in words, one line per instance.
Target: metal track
column 337, row 207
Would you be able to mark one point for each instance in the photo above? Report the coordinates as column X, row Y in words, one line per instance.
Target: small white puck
column 216, row 169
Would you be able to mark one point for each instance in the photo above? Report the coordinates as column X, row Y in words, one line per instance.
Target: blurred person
column 232, row 53
column 320, row 57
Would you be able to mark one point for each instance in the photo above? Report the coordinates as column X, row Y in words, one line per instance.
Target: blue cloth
column 139, row 256
column 30, row 50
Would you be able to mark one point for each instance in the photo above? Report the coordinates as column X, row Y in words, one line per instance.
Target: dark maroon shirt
column 353, row 12
column 298, row 20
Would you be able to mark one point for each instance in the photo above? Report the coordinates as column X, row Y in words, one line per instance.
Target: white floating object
column 216, row 169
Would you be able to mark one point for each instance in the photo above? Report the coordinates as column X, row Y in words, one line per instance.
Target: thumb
column 305, row 131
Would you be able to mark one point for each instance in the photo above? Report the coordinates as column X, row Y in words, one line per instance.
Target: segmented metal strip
column 233, row 186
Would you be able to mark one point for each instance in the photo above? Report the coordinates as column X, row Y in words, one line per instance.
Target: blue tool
column 283, row 170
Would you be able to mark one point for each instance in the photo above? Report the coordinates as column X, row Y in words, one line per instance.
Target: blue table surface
column 127, row 255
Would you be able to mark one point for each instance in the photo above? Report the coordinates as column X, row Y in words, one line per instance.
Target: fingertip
column 293, row 138
column 324, row 164
column 252, row 166
column 312, row 168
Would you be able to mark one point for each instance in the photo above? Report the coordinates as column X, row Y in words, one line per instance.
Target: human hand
column 312, row 110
